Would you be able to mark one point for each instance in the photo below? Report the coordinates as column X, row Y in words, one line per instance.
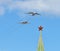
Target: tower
column 40, row 42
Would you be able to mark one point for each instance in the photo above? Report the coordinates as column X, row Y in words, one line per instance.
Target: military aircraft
column 33, row 13
column 24, row 22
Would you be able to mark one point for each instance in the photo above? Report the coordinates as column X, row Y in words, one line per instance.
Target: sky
column 20, row 37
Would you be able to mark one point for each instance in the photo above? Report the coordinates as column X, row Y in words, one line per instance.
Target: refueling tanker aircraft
column 33, row 13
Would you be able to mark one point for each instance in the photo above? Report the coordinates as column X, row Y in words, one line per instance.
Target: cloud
column 2, row 11
column 52, row 6
column 29, row 5
column 4, row 5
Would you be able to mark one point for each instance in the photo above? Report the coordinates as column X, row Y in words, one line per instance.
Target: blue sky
column 18, row 37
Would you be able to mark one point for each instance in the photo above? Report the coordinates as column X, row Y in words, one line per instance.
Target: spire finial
column 40, row 28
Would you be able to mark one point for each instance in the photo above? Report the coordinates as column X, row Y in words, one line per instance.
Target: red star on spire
column 40, row 28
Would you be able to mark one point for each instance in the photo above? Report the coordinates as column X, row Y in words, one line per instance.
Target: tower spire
column 40, row 43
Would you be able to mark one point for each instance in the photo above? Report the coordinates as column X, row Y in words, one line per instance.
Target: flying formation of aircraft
column 33, row 13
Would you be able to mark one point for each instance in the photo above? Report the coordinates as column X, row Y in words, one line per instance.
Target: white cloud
column 29, row 5
column 3, row 5
column 2, row 11
column 52, row 6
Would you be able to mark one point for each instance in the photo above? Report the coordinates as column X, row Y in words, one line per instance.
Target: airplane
column 40, row 28
column 24, row 22
column 33, row 13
